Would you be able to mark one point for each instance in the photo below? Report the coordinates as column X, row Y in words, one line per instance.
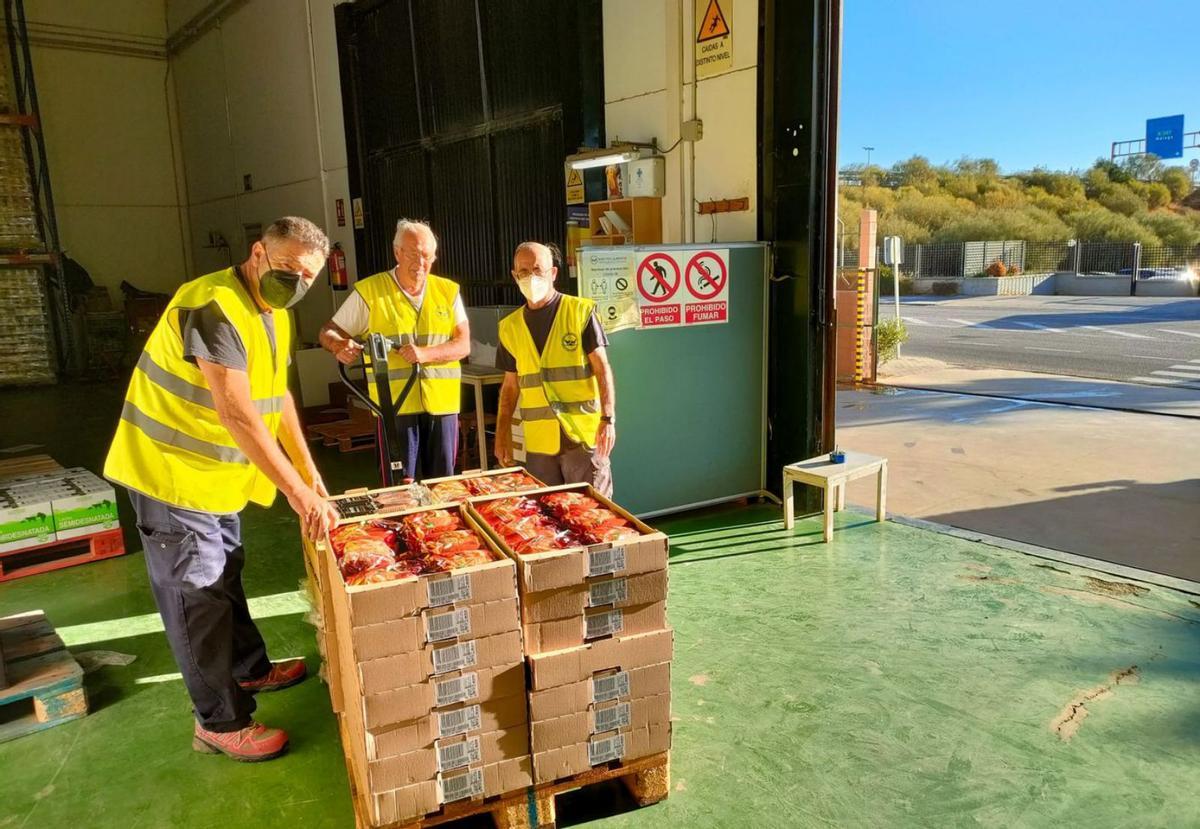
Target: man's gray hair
column 298, row 229
column 412, row 226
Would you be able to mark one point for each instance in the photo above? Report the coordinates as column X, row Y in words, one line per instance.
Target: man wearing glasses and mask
column 552, row 353
column 200, row 436
column 424, row 316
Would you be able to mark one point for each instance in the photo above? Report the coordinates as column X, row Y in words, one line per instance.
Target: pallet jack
column 391, row 462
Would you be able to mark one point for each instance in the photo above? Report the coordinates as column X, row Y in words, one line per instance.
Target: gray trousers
column 574, row 464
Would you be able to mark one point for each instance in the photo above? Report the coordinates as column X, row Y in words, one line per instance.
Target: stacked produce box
column 423, row 635
column 593, row 588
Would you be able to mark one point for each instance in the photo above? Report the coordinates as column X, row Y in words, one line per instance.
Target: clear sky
column 1029, row 83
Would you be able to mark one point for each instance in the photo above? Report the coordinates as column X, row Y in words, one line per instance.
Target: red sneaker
column 282, row 675
column 252, row 744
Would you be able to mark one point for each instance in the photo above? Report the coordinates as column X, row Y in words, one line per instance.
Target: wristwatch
column 607, row 419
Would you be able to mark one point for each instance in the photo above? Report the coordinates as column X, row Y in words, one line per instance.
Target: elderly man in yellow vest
column 424, row 316
column 552, row 353
column 206, row 412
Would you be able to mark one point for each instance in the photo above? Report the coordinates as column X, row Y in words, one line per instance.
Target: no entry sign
column 683, row 286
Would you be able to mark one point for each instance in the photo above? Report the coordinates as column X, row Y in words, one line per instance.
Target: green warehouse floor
column 896, row 677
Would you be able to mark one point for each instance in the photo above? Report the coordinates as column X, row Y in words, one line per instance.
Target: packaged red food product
column 483, row 485
column 461, row 558
column 513, row 482
column 452, row 542
column 397, row 499
column 563, row 504
column 377, row 575
column 595, row 520
column 422, row 525
column 450, row 492
column 613, row 534
column 360, row 562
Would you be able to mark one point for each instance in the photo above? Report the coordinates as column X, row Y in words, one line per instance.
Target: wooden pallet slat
column 42, row 676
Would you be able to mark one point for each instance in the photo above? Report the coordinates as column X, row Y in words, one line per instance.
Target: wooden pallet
column 29, row 561
column 648, row 780
column 353, row 435
column 45, row 683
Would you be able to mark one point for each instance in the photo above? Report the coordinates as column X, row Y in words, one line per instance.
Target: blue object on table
column 837, row 456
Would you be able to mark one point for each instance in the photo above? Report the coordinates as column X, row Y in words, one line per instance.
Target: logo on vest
column 443, row 313
column 570, row 341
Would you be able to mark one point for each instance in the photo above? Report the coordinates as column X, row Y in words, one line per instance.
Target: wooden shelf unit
column 642, row 214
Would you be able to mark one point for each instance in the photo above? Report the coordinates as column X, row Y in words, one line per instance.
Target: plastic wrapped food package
column 558, row 520
column 450, row 492
column 380, row 550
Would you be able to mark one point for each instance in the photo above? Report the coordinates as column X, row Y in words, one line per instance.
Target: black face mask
column 281, row 289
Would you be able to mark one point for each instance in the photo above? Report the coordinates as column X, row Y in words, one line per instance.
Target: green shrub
column 1028, row 223
column 1099, row 225
column 1123, row 200
column 1173, row 229
column 1177, row 180
column 886, row 289
column 889, row 336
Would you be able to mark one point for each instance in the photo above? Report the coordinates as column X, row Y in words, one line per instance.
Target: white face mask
column 534, row 288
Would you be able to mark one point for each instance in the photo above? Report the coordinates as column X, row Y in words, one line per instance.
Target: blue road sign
column 1164, row 136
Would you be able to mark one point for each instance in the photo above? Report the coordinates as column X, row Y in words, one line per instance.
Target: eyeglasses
column 524, row 274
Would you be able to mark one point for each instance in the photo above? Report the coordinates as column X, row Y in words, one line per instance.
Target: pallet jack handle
column 391, row 462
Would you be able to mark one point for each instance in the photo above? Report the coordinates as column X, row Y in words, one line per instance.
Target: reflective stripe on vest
column 558, row 391
column 392, row 314
column 170, row 443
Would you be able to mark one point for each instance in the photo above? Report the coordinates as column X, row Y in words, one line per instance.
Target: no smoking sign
column 682, row 286
column 707, row 278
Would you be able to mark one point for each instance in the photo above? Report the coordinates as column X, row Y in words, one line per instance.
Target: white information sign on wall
column 606, row 276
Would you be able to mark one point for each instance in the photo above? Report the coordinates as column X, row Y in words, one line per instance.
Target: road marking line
column 1060, row 350
column 1148, row 357
column 1163, row 381
column 970, row 324
column 1184, row 374
column 914, row 321
column 1034, row 325
column 1118, row 333
column 1184, row 333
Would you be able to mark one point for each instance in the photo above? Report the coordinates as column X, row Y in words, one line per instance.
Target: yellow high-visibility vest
column 557, row 388
column 439, row 391
column 170, row 444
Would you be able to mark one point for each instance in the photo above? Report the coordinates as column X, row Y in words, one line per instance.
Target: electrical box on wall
column 647, row 177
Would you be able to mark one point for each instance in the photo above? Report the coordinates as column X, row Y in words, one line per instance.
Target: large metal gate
column 461, row 112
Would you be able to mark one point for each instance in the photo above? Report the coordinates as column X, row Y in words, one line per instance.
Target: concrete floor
column 895, row 677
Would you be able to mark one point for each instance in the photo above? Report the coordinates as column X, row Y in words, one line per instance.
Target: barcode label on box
column 452, row 625
column 449, row 590
column 454, row 657
column 603, row 562
column 458, row 689
column 612, row 591
column 461, row 721
column 609, row 687
column 608, row 623
column 613, row 718
column 606, row 750
column 462, row 786
column 456, row 755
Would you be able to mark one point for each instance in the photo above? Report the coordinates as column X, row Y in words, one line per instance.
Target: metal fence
column 966, row 259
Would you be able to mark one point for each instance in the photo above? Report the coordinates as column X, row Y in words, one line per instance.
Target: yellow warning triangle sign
column 713, row 26
column 574, row 179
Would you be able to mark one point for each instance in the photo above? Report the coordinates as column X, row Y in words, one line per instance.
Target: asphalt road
column 1148, row 340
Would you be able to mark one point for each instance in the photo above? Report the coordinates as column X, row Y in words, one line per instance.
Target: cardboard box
column 416, row 701
column 413, row 667
column 572, row 665
column 617, row 715
column 632, row 682
column 467, row 718
column 374, row 603
column 409, row 802
column 595, row 623
column 433, row 626
column 447, row 756
column 606, row 591
column 91, row 508
column 633, row 744
column 26, row 520
column 557, row 569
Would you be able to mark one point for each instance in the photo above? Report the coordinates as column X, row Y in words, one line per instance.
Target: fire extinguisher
column 339, row 278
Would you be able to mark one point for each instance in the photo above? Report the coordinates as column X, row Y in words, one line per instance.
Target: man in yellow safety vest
column 553, row 355
column 424, row 317
column 199, row 437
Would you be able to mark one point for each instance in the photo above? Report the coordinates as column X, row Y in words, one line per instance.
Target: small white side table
column 832, row 478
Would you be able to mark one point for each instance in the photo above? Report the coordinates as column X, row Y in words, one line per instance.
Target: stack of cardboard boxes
column 432, row 683
column 55, row 505
column 599, row 649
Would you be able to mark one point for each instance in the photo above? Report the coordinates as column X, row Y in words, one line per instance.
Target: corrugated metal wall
column 461, row 112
